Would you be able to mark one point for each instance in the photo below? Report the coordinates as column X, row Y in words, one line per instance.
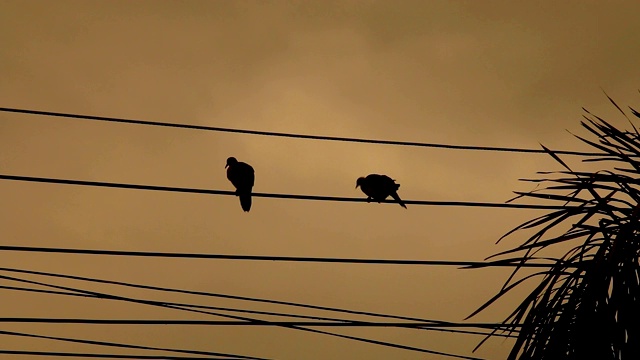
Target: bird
column 242, row 177
column 379, row 187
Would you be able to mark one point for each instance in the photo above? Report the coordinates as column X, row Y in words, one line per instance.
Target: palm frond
column 587, row 304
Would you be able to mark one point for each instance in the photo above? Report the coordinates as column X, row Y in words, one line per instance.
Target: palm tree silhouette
column 587, row 304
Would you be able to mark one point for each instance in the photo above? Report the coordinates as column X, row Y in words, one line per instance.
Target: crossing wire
column 139, row 301
column 210, row 294
column 290, row 135
column 126, row 346
column 249, row 323
column 270, row 313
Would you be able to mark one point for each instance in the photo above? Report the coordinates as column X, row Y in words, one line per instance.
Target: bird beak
column 357, row 185
column 226, row 166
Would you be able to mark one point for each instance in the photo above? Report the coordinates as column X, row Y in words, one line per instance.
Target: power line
column 498, row 263
column 127, row 346
column 269, row 313
column 109, row 356
column 256, row 312
column 413, row 325
column 290, row 135
column 279, row 196
column 217, row 295
column 428, row 328
column 371, row 341
column 138, row 301
column 209, row 294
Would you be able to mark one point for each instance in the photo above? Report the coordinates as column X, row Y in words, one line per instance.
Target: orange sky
column 492, row 73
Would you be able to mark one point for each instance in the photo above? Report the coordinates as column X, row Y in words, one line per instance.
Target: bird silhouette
column 242, row 177
column 379, row 187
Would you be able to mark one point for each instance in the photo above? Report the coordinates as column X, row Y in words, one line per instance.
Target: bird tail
column 245, row 201
column 396, row 197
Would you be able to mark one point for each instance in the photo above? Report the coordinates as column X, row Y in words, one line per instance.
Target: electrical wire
column 109, row 356
column 479, row 264
column 127, row 346
column 279, row 196
column 290, row 135
column 411, row 325
column 428, row 327
column 128, row 299
column 218, row 295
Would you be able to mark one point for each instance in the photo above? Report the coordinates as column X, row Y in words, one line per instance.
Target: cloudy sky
column 494, row 73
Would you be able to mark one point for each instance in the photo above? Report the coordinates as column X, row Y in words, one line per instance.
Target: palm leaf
column 587, row 304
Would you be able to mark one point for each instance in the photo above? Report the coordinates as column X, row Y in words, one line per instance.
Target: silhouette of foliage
column 587, row 305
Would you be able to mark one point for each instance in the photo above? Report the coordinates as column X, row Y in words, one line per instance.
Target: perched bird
column 379, row 187
column 242, row 177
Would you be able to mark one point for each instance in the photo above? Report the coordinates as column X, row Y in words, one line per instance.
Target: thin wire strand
column 478, row 264
column 109, row 356
column 411, row 325
column 279, row 196
column 218, row 295
column 427, row 328
column 256, row 312
column 290, row 135
column 127, row 346
column 365, row 340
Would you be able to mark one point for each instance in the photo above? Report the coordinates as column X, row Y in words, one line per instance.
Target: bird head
column 360, row 182
column 231, row 161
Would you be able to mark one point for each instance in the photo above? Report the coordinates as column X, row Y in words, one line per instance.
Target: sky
column 491, row 73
